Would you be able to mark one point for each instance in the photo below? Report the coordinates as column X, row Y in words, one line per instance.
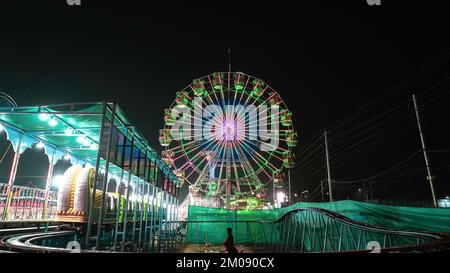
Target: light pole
column 430, row 176
column 328, row 166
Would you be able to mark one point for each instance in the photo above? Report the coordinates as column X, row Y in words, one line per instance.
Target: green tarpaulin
column 218, row 220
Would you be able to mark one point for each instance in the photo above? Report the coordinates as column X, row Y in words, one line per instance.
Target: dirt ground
column 201, row 248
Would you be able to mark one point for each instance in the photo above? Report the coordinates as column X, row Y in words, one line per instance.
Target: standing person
column 229, row 242
column 183, row 231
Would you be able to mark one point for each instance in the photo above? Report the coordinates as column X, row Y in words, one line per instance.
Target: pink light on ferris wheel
column 229, row 129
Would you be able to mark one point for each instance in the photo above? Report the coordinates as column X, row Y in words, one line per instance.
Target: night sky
column 326, row 61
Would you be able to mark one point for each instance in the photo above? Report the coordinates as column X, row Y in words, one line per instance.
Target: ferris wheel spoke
column 255, row 173
column 212, row 87
column 221, row 116
column 261, row 166
column 191, row 149
column 199, row 153
column 273, row 153
column 220, row 90
column 219, row 178
column 213, row 150
column 215, row 119
column 271, row 156
column 185, row 166
column 230, row 148
column 189, row 175
column 243, row 159
column 190, row 160
column 200, row 179
column 238, row 185
column 262, row 160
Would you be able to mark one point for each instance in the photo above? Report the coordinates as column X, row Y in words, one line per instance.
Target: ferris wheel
column 228, row 134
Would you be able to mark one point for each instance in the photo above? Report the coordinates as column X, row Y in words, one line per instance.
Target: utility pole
column 328, row 166
column 424, row 150
column 321, row 189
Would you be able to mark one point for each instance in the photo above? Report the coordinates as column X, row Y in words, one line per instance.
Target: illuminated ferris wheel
column 228, row 134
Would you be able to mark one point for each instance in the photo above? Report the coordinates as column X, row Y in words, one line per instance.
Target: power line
column 385, row 172
column 435, row 62
column 372, row 134
column 370, row 147
column 382, row 115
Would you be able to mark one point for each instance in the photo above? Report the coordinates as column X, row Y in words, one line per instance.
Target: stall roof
column 73, row 127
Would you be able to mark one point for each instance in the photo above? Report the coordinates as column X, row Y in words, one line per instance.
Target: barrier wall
column 210, row 224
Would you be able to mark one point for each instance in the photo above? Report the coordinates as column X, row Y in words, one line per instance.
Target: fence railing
column 26, row 203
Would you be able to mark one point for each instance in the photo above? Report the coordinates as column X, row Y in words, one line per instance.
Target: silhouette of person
column 229, row 242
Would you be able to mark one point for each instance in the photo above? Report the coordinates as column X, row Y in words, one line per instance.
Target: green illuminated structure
column 322, row 227
column 100, row 138
column 237, row 135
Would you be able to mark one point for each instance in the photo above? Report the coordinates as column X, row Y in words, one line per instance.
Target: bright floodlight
column 43, row 116
column 40, row 145
column 2, row 128
column 69, row 131
column 80, row 139
column 67, row 156
column 57, row 180
column 281, row 196
column 52, row 122
column 86, row 141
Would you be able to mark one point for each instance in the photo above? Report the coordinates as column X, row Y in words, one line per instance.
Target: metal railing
column 27, row 203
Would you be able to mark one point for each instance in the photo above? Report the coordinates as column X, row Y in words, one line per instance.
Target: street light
column 44, row 116
column 52, row 122
column 67, row 157
column 281, row 196
column 40, row 145
column 69, row 131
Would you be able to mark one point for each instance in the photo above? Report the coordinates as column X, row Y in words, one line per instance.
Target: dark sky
column 325, row 60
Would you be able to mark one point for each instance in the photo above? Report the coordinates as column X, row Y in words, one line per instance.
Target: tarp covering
column 404, row 218
column 398, row 217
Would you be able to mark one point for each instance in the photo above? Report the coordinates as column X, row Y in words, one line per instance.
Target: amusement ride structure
column 229, row 135
column 117, row 184
column 223, row 137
